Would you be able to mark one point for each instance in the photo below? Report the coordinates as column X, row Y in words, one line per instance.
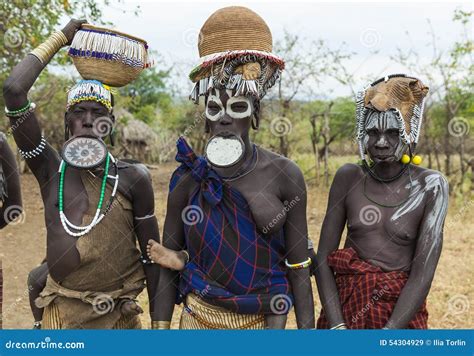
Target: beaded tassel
column 226, row 78
column 109, row 46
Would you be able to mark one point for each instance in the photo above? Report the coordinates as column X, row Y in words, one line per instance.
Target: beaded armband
column 36, row 151
column 24, row 111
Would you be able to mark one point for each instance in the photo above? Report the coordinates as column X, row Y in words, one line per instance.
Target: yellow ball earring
column 405, row 159
column 416, row 160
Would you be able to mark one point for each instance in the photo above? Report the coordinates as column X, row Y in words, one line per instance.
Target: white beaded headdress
column 90, row 90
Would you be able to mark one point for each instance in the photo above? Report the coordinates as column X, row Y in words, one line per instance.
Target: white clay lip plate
column 84, row 152
column 224, row 151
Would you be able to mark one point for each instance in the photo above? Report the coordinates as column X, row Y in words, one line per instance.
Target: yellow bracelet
column 45, row 51
column 300, row 265
column 160, row 325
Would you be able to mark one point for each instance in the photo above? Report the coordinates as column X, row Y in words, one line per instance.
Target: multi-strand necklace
column 82, row 230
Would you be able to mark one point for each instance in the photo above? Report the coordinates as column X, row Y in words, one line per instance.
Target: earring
column 405, row 159
column 416, row 160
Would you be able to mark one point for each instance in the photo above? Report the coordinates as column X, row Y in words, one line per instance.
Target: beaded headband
column 399, row 92
column 90, row 90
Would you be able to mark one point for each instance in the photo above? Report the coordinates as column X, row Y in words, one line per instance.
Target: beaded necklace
column 82, row 230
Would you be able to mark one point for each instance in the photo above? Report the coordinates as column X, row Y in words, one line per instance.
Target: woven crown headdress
column 399, row 92
column 235, row 47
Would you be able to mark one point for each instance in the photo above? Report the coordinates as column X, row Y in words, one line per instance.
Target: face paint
column 214, row 108
column 237, row 107
column 382, row 136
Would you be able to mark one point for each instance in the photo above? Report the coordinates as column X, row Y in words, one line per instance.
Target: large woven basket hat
column 399, row 92
column 235, row 49
column 111, row 57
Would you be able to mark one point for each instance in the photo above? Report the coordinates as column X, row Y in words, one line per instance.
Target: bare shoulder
column 431, row 180
column 135, row 180
column 349, row 170
column 280, row 165
column 183, row 185
column 134, row 169
column 348, row 175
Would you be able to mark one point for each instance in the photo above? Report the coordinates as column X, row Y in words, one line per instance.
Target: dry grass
column 23, row 248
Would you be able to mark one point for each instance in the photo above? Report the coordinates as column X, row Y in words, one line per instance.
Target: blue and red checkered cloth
column 231, row 264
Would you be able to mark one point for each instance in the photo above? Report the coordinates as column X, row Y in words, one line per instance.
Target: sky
column 171, row 29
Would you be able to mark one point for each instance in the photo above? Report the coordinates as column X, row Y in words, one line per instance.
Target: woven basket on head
column 235, row 49
column 109, row 56
column 234, row 28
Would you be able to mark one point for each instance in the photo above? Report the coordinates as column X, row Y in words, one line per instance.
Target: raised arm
column 333, row 226
column 296, row 239
column 26, row 128
column 427, row 253
column 173, row 238
column 12, row 206
column 146, row 228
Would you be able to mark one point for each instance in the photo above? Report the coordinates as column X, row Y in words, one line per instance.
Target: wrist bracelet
column 48, row 48
column 300, row 265
column 160, row 325
column 339, row 326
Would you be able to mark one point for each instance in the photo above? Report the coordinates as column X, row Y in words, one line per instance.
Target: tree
column 148, row 95
column 450, row 75
column 307, row 65
column 24, row 24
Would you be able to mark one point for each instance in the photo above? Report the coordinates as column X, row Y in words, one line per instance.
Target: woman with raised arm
column 95, row 270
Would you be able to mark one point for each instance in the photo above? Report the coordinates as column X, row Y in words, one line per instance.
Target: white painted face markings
column 382, row 121
column 241, row 101
column 215, row 108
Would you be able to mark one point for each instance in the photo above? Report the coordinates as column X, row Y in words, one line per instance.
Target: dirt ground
column 449, row 302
